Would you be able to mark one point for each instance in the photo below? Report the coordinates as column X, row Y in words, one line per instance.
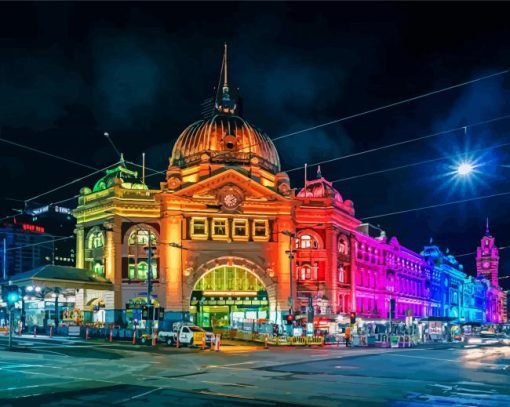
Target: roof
column 63, row 277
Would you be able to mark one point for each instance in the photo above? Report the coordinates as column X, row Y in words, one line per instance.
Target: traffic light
column 290, row 319
column 392, row 308
column 353, row 317
column 10, row 294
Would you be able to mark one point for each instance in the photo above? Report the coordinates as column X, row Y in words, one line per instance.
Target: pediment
column 211, row 187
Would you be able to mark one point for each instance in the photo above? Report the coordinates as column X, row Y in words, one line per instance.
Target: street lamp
column 465, row 169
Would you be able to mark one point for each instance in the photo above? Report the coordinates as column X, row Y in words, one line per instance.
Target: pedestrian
column 347, row 337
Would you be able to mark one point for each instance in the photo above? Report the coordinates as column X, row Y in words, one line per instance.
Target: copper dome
column 227, row 139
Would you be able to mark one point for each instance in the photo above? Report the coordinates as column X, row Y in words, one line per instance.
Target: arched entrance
column 229, row 296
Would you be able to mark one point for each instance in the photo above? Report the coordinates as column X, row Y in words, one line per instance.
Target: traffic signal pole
column 11, row 326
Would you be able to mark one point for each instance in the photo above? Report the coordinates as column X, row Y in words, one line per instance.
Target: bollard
column 51, row 331
column 203, row 342
column 134, row 337
column 87, row 333
column 35, row 331
column 178, row 343
column 265, row 342
column 154, row 337
column 213, row 342
column 322, row 341
column 111, row 335
column 218, row 337
column 20, row 330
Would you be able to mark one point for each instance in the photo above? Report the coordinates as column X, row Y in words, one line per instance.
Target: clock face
column 230, row 201
column 486, row 264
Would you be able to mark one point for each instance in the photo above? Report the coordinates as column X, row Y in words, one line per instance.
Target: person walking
column 347, row 337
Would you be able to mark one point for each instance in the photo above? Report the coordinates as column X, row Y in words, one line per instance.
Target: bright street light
column 465, row 168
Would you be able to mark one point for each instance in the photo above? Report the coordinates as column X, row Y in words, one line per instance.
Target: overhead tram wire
column 342, row 119
column 477, row 198
column 399, row 143
column 40, row 243
column 414, row 164
column 47, row 154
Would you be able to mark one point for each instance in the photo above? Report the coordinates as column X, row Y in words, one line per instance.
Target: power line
column 399, row 143
column 47, row 154
column 414, row 164
column 40, row 243
column 69, row 183
column 437, row 205
column 392, row 105
column 471, row 253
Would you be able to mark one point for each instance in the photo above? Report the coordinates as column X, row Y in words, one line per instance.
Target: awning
column 61, row 277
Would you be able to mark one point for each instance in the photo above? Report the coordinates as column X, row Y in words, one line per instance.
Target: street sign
column 290, row 301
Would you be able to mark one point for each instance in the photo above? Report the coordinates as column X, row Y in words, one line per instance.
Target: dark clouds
column 70, row 71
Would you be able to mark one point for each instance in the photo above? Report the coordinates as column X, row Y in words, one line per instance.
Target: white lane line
column 241, row 363
column 138, row 395
column 230, row 384
column 237, row 396
column 61, row 377
column 36, row 385
column 447, row 360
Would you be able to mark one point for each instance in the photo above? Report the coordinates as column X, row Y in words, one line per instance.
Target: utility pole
column 4, row 263
column 149, row 282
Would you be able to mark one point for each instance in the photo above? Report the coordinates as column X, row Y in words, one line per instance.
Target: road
column 61, row 372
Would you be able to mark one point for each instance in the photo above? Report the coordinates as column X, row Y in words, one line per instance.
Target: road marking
column 36, row 385
column 138, row 395
column 237, row 396
column 446, row 360
column 241, row 363
column 230, row 384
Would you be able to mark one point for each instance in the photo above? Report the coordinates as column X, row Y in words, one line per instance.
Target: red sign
column 32, row 228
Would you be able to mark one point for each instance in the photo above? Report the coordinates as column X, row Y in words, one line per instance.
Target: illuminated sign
column 32, row 228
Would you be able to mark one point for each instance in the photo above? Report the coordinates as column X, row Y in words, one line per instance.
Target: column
column 331, row 276
column 283, row 264
column 170, row 265
column 80, row 246
column 354, row 265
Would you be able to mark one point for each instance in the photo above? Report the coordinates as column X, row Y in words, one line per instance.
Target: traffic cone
column 134, row 337
column 51, row 331
column 265, row 342
column 111, row 334
column 218, row 343
column 203, row 342
column 35, row 332
column 213, row 343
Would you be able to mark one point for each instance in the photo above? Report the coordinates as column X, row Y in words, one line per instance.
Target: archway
column 229, row 295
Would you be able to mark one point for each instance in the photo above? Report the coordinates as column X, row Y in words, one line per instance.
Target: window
column 138, row 271
column 95, row 240
column 240, row 228
column 306, row 242
column 341, row 274
column 305, row 272
column 260, row 229
column 220, row 228
column 199, row 227
column 98, row 268
column 141, row 237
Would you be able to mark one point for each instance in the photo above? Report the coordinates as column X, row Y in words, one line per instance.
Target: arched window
column 306, row 241
column 141, row 237
column 138, row 271
column 95, row 239
column 98, row 268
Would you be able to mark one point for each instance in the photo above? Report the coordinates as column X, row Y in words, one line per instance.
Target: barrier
column 134, row 337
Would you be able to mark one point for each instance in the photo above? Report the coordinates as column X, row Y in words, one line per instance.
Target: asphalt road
column 61, row 372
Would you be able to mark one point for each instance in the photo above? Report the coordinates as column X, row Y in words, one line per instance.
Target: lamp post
column 290, row 253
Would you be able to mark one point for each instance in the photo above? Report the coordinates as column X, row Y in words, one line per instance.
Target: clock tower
column 487, row 258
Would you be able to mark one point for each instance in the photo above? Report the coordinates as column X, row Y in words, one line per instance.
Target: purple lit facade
column 344, row 265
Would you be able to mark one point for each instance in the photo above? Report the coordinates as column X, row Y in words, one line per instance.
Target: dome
column 226, row 138
column 320, row 188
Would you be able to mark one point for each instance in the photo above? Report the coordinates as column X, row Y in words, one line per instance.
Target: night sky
column 71, row 71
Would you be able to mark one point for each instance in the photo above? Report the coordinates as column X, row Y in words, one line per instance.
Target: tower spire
column 487, row 231
column 225, row 68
